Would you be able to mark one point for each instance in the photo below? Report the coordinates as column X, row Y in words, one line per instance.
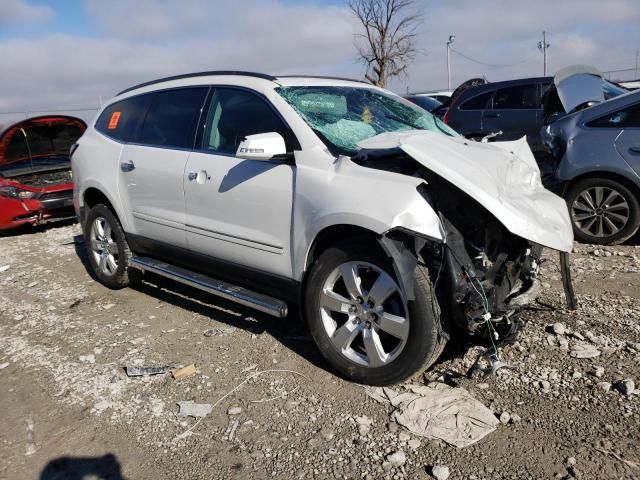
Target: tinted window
column 121, row 119
column 233, row 115
column 612, row 90
column 423, row 101
column 517, row 97
column 172, row 117
column 626, row 118
column 477, row 103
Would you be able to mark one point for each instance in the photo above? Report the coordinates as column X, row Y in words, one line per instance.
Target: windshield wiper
column 404, row 122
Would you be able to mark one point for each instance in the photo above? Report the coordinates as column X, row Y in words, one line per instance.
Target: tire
column 332, row 314
column 606, row 218
column 107, row 249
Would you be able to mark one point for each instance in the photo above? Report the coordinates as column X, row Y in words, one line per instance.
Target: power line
column 493, row 65
column 52, row 110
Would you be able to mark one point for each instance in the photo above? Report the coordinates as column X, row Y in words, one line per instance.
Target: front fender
column 374, row 200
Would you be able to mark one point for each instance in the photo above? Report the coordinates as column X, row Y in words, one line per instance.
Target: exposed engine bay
column 483, row 273
column 37, row 179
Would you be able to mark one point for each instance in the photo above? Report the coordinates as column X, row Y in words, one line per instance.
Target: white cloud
column 21, row 11
column 143, row 40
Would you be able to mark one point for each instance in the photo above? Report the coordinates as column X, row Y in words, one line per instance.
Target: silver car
column 596, row 151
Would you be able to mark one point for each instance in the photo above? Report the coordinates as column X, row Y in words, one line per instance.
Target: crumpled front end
column 495, row 215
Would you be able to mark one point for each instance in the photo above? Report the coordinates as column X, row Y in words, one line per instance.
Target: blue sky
column 71, row 53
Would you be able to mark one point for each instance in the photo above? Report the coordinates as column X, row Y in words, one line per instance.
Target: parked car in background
column 441, row 111
column 440, row 95
column 35, row 170
column 511, row 108
column 385, row 226
column 424, row 101
column 596, row 156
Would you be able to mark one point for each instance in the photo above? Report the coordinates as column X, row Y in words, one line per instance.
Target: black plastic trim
column 284, row 288
column 199, row 74
column 320, row 77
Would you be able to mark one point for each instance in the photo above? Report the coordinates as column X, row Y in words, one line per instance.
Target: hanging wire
column 493, row 65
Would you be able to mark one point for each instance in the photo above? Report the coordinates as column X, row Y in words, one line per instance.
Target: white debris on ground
column 438, row 412
column 189, row 408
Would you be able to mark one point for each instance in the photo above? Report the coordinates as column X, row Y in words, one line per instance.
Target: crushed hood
column 503, row 177
column 39, row 138
column 578, row 84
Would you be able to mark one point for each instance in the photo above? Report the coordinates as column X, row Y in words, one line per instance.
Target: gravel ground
column 570, row 407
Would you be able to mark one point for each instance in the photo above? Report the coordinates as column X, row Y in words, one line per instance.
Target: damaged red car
column 35, row 170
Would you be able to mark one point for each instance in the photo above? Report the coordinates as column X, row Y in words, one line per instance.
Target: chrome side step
column 257, row 301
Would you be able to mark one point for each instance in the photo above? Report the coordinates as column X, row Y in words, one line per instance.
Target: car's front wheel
column 603, row 211
column 108, row 249
column 361, row 320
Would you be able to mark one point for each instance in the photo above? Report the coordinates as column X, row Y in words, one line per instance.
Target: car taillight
column 445, row 119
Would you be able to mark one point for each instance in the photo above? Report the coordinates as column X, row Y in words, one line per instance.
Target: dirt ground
column 64, row 340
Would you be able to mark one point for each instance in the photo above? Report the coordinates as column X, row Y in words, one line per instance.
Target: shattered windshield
column 344, row 116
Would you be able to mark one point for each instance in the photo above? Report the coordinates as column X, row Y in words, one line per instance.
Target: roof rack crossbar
column 199, row 74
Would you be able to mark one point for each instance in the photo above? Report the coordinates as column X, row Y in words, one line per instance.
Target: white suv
column 383, row 225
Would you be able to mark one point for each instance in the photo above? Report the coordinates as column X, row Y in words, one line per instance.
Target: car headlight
column 15, row 192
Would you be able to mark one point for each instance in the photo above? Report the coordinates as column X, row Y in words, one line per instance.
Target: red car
column 35, row 170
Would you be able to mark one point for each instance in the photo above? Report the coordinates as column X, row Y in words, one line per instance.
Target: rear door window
column 626, row 118
column 121, row 120
column 518, row 97
column 477, row 103
column 172, row 117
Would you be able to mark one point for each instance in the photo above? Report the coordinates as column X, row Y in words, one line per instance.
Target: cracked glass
column 344, row 116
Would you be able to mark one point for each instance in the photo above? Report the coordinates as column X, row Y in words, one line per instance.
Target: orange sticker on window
column 113, row 121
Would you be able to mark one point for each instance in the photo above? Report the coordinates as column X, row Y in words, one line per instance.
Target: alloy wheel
column 600, row 211
column 103, row 247
column 364, row 314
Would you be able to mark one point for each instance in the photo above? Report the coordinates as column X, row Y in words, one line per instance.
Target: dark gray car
column 512, row 107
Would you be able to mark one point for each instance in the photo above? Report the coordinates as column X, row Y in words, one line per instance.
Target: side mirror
column 261, row 146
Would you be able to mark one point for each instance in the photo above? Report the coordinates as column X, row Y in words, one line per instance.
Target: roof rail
column 199, row 74
column 322, row 78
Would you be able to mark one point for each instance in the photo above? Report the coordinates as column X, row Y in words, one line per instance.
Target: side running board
column 257, row 301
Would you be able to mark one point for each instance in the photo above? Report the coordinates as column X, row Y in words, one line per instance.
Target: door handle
column 127, row 166
column 200, row 177
column 634, row 149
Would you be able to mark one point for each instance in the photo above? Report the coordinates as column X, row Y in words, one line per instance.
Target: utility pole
column 636, row 75
column 543, row 45
column 452, row 38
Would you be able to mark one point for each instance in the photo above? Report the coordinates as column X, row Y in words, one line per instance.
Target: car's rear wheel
column 360, row 318
column 108, row 249
column 603, row 211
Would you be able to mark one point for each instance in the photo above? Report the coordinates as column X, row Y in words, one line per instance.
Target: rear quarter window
column 122, row 119
column 626, row 118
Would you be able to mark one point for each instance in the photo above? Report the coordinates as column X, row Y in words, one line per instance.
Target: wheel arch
column 333, row 234
column 94, row 195
column 402, row 246
column 630, row 184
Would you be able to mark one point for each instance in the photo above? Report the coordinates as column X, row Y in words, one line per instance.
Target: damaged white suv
column 391, row 233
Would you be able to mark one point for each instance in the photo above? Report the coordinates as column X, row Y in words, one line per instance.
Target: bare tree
column 387, row 45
